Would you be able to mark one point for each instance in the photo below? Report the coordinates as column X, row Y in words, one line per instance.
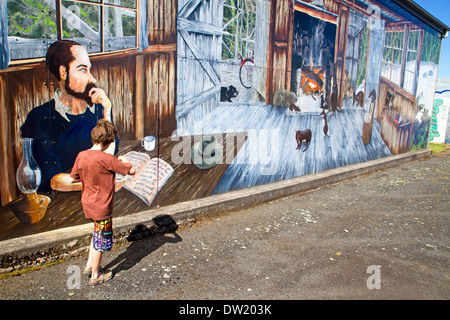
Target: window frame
column 407, row 52
column 407, row 28
column 102, row 4
column 391, row 63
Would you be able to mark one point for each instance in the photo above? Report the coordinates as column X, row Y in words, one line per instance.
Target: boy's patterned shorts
column 102, row 239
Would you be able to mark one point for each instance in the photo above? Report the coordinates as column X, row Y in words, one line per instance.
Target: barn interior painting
column 280, row 89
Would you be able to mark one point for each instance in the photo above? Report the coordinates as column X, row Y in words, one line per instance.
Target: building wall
column 337, row 80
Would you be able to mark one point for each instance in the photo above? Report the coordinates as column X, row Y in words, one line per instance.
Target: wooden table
column 186, row 183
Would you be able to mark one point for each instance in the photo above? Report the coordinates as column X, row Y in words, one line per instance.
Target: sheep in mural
column 285, row 98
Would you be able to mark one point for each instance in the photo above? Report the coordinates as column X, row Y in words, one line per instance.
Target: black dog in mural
column 226, row 93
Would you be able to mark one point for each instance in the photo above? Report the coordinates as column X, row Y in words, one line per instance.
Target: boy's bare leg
column 89, row 262
column 95, row 257
column 94, row 261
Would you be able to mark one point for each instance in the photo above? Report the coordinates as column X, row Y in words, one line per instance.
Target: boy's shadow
column 161, row 233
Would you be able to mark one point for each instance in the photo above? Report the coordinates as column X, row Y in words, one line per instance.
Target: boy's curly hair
column 104, row 133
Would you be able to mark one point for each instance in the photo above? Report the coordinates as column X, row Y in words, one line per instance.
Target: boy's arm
column 127, row 168
column 132, row 170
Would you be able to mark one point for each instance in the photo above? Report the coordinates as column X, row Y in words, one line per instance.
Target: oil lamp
column 30, row 207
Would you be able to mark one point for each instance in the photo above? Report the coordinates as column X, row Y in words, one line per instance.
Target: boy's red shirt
column 96, row 170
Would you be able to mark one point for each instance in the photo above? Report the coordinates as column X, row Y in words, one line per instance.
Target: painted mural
column 440, row 120
column 207, row 96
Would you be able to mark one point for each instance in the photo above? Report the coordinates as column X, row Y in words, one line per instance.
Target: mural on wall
column 440, row 128
column 427, row 78
column 237, row 93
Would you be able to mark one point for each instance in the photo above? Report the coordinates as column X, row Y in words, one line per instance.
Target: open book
column 150, row 175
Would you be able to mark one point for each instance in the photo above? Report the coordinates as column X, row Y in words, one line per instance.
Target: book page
column 138, row 160
column 151, row 178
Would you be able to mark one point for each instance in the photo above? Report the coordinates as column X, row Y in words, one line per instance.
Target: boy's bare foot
column 102, row 278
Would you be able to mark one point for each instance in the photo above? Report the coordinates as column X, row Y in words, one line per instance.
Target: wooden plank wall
column 160, row 94
column 280, row 47
column 159, row 63
column 161, row 22
column 341, row 50
column 117, row 77
column 141, row 86
column 22, row 89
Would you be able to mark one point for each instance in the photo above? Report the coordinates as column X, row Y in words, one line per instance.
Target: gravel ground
column 382, row 236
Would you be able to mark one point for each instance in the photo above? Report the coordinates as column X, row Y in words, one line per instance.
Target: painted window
column 239, row 23
column 363, row 54
column 411, row 61
column 401, row 53
column 100, row 25
column 392, row 57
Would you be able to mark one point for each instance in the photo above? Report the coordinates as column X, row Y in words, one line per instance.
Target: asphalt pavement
column 381, row 236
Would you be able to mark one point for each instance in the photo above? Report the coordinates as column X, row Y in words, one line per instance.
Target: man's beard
column 80, row 95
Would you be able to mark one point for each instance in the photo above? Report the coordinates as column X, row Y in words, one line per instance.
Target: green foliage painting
column 31, row 19
column 363, row 52
column 239, row 20
column 431, row 48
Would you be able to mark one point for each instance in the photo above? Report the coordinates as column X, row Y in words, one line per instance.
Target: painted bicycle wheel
column 246, row 73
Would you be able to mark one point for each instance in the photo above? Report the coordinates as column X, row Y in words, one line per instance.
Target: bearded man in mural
column 61, row 127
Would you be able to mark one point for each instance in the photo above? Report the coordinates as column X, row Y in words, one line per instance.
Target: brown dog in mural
column 359, row 97
column 303, row 135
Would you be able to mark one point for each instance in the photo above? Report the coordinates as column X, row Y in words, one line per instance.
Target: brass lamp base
column 30, row 208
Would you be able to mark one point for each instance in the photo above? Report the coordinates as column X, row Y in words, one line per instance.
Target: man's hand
column 99, row 96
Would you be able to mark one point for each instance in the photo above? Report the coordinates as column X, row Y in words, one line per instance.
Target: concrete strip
column 70, row 238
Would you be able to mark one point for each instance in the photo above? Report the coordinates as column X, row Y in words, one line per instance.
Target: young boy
column 96, row 168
